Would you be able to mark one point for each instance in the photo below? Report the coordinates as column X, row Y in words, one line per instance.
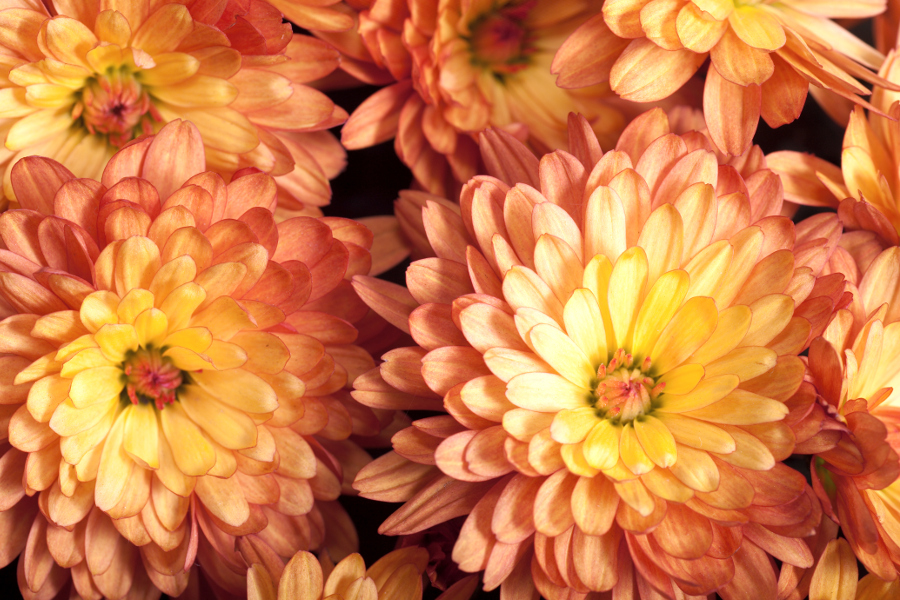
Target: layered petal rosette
column 80, row 80
column 174, row 365
column 451, row 69
column 855, row 368
column 763, row 56
column 613, row 337
column 395, row 576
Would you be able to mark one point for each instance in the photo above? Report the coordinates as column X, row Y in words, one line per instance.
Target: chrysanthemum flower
column 81, row 80
column 614, row 336
column 455, row 68
column 395, row 576
column 855, row 367
column 763, row 187
column 175, row 365
column 764, row 55
column 865, row 189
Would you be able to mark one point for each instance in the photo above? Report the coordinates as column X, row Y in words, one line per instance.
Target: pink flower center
column 500, row 41
column 625, row 391
column 117, row 106
column 151, row 377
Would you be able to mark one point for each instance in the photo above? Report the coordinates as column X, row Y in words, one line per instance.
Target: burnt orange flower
column 763, row 56
column 396, row 575
column 455, row 69
column 81, row 80
column 855, row 367
column 179, row 363
column 613, row 336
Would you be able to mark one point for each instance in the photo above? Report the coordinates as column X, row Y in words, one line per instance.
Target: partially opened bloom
column 763, row 56
column 395, row 576
column 613, row 336
column 455, row 68
column 81, row 80
column 865, row 189
column 855, row 367
column 176, row 364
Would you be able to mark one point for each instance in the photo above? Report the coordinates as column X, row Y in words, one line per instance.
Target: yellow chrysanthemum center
column 624, row 391
column 150, row 377
column 499, row 41
column 116, row 105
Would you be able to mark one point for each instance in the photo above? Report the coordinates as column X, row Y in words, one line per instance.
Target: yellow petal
column 179, row 306
column 229, row 427
column 150, row 327
column 705, row 393
column 240, row 389
column 584, row 326
column 132, row 304
column 632, row 451
column 698, row 434
column 187, row 360
column 163, row 30
column 171, row 275
column 98, row 309
column 142, row 435
column 112, row 27
column 697, row 31
column 137, row 261
column 199, row 90
column 695, row 469
column 656, row 440
column 37, row 127
column 741, row 408
column 562, row 354
column 626, row 291
column 571, row 426
column 661, row 304
column 757, row 28
column 545, row 392
column 197, row 339
column 115, row 468
column 596, row 279
column 115, row 340
column 691, row 326
column 835, row 577
column 683, row 379
column 192, row 453
column 98, row 384
column 601, row 447
column 172, row 67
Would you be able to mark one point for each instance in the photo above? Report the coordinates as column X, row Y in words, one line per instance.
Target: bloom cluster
column 609, row 344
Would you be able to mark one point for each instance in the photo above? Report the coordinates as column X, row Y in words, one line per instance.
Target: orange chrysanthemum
column 456, row 68
column 395, row 576
column 865, row 190
column 174, row 364
column 855, row 367
column 80, row 80
column 614, row 336
column 764, row 55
